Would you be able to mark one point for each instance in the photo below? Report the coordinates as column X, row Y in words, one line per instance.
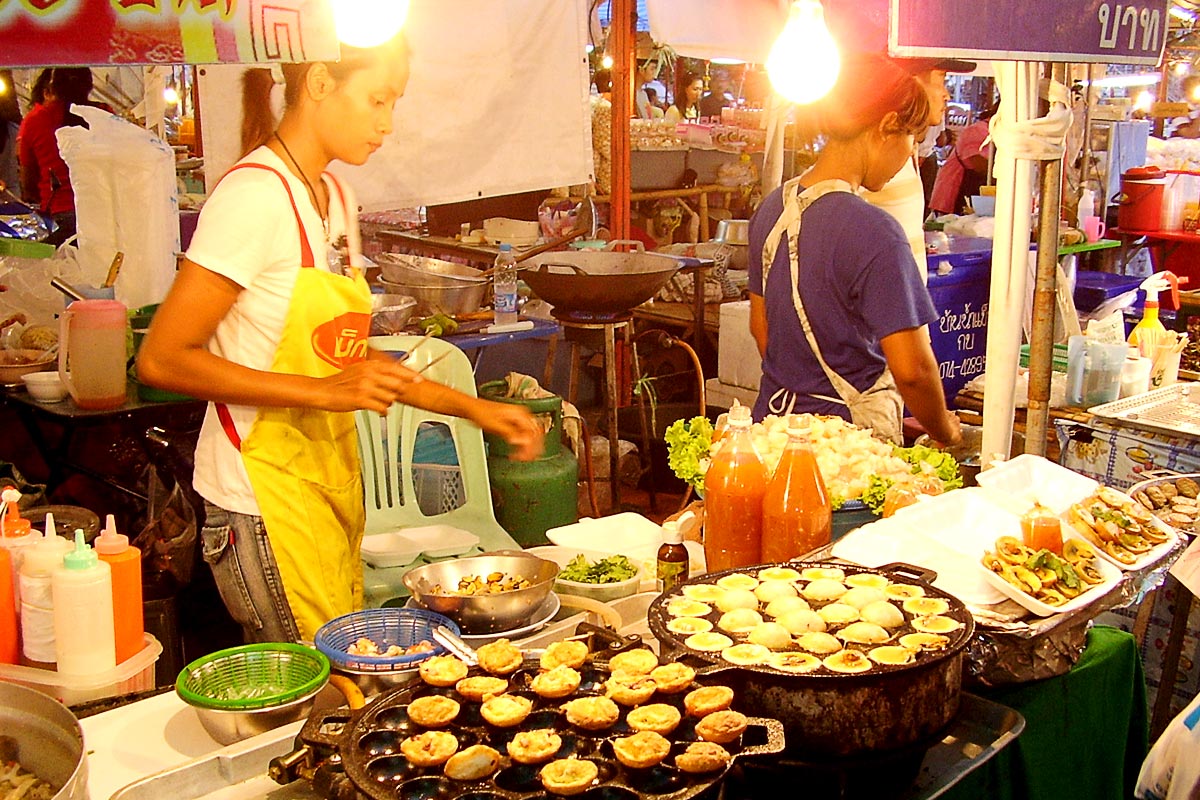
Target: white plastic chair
column 386, row 445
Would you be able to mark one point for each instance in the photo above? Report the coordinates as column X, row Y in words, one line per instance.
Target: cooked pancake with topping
column 847, row 661
column 737, row 580
column 784, row 605
column 710, row 642
column 686, row 626
column 592, row 713
column 534, row 747
column 863, row 633
column 794, row 662
column 823, row 573
column 802, row 621
column 672, row 678
column 819, row 643
column 433, row 711
column 924, row 641
column 891, row 655
column 707, row 699
column 824, row 590
column 746, row 655
column 629, row 689
column 657, row 717
column 903, row 591
column 506, row 710
column 472, row 764
column 926, row 606
column 500, row 657
column 862, row 596
column 935, row 624
column 740, row 620
column 442, row 670
column 480, row 687
column 838, row 613
column 568, row 776
column 778, row 574
column 701, row 757
column 872, row 579
column 722, row 727
column 556, row 683
column 642, row 750
column 429, row 749
column 570, row 653
column 771, row 635
column 737, row 598
column 704, row 592
column 682, row 607
column 884, row 614
column 773, row 590
column 638, row 662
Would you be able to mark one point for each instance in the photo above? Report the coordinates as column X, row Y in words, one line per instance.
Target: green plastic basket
column 253, row 676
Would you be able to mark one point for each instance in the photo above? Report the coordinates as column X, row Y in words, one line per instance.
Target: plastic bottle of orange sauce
column 1041, row 529
column 733, row 492
column 126, row 563
column 10, row 626
column 797, row 515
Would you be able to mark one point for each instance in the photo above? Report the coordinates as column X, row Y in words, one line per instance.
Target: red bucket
column 1140, row 208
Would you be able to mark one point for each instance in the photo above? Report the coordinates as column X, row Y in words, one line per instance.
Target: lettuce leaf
column 688, row 443
column 943, row 464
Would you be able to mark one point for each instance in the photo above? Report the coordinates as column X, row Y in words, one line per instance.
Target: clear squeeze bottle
column 83, row 612
column 672, row 558
column 126, row 564
column 504, row 286
column 733, row 493
column 37, row 602
column 797, row 515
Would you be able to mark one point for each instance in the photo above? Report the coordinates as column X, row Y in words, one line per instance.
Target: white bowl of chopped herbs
column 600, row 576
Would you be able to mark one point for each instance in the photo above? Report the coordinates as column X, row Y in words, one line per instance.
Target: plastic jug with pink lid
column 91, row 353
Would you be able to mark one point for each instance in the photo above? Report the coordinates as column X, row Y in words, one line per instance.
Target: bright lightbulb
column 368, row 23
column 1182, row 68
column 171, row 95
column 1195, row 94
column 803, row 64
column 607, row 61
column 1144, row 100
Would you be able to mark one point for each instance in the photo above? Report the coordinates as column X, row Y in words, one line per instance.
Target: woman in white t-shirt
column 268, row 319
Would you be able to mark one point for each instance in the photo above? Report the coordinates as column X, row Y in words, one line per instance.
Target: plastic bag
column 1172, row 769
column 168, row 542
column 125, row 200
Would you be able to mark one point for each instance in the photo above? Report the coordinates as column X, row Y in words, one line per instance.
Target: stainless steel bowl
column 445, row 299
column 373, row 683
column 227, row 726
column 49, row 739
column 484, row 613
column 423, row 271
column 390, row 313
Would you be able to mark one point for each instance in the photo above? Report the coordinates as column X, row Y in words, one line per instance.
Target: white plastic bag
column 1172, row 769
column 125, row 200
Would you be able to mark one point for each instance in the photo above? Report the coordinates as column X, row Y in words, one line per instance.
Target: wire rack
column 1173, row 409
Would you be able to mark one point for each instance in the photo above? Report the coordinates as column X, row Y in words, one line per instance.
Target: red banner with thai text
column 35, row 33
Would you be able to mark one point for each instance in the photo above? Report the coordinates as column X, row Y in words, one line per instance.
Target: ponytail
column 258, row 123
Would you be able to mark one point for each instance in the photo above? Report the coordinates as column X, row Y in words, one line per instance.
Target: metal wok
column 600, row 282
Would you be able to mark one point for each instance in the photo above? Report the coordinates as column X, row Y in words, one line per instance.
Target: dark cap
column 916, row 66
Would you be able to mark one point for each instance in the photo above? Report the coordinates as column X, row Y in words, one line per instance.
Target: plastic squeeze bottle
column 733, row 494
column 1150, row 331
column 126, row 564
column 83, row 612
column 672, row 558
column 797, row 515
column 16, row 533
column 10, row 624
column 37, row 602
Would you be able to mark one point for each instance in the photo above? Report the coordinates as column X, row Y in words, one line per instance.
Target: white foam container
column 601, row 592
column 1029, row 479
column 398, row 548
column 134, row 674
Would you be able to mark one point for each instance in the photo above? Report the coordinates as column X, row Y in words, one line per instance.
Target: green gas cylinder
column 531, row 497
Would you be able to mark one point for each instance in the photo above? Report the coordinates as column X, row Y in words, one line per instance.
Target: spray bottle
column 126, row 563
column 1147, row 334
column 16, row 533
column 85, row 643
column 37, row 604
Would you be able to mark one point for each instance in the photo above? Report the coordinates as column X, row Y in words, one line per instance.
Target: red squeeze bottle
column 10, row 625
column 126, row 563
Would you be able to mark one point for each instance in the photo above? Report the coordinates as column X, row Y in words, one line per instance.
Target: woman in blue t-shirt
column 837, row 306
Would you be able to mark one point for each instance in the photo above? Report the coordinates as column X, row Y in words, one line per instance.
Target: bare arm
column 758, row 322
column 913, row 365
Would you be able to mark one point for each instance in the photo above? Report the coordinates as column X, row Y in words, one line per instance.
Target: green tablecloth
column 1086, row 732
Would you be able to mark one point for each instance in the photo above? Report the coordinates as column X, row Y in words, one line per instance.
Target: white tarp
column 497, row 104
column 718, row 29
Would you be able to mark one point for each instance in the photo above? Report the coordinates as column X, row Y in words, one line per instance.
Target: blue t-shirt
column 859, row 283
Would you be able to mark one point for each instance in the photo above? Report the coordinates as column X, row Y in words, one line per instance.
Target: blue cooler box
column 959, row 335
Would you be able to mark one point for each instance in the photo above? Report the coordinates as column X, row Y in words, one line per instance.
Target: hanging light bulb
column 606, row 61
column 171, row 95
column 1182, row 68
column 803, row 64
column 3, row 86
column 368, row 23
column 1144, row 100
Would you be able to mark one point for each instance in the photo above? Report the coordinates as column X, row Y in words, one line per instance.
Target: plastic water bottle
column 126, row 563
column 504, row 286
column 84, row 640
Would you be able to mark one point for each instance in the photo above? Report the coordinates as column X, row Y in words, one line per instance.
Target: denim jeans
column 238, row 552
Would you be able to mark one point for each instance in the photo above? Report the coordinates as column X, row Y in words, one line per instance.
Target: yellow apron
column 303, row 463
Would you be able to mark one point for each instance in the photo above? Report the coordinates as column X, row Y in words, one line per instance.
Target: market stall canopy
column 741, row 30
column 497, row 104
column 40, row 33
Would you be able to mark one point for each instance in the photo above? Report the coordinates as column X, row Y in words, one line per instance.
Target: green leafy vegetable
column 941, row 463
column 613, row 569
column 875, row 493
column 688, row 443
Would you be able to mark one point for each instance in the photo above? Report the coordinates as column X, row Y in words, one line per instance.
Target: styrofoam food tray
column 1110, row 573
column 1147, row 558
column 397, row 548
column 1028, row 479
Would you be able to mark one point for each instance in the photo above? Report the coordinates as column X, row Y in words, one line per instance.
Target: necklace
column 303, row 177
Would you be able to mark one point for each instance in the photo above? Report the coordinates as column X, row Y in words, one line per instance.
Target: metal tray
column 1173, row 409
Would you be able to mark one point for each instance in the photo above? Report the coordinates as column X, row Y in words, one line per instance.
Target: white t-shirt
column 904, row 198
column 247, row 233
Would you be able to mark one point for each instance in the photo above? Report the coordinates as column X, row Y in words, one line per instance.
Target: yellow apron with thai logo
column 303, row 463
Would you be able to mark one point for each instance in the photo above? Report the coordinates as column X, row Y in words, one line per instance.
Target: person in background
column 647, row 70
column 717, row 98
column 904, row 195
column 837, row 306
column 602, row 130
column 40, row 92
column 10, row 125
column 965, row 170
column 268, row 320
column 687, row 99
column 45, row 179
column 656, row 110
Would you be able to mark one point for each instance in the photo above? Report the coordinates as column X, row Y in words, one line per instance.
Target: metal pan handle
column 773, row 744
column 315, row 728
column 638, row 245
column 909, row 571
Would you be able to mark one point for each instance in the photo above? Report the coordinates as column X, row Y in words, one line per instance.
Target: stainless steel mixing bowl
column 483, row 613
